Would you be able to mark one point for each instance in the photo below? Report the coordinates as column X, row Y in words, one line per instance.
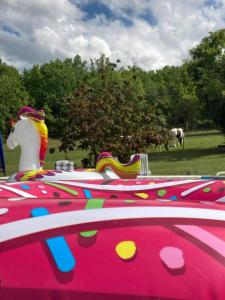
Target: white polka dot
column 41, row 186
column 3, row 211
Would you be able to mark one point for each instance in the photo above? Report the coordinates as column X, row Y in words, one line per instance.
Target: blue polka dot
column 173, row 197
column 25, row 187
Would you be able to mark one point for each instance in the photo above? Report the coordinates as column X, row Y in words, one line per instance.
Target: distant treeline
column 103, row 100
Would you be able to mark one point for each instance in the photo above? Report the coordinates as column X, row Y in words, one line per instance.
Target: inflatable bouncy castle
column 106, row 233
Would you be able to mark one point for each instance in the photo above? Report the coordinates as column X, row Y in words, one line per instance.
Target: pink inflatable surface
column 105, row 238
column 112, row 239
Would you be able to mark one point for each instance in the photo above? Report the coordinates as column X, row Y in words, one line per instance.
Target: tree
column 49, row 83
column 12, row 95
column 206, row 66
column 175, row 91
column 109, row 113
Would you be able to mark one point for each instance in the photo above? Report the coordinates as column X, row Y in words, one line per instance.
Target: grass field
column 200, row 156
column 12, row 157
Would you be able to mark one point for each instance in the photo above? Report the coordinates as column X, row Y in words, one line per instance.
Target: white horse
column 176, row 137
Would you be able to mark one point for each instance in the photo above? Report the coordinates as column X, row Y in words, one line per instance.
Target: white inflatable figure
column 29, row 159
column 31, row 134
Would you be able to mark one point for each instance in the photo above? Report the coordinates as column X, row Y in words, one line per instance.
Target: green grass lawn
column 200, row 156
column 12, row 157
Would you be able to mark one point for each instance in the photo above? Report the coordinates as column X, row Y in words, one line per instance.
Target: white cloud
column 50, row 29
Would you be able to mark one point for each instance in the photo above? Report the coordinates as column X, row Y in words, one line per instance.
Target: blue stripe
column 213, row 177
column 57, row 246
column 87, row 194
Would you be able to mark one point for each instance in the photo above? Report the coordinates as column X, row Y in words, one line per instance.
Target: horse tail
column 129, row 171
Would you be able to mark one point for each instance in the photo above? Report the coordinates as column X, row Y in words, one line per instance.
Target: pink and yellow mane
column 43, row 131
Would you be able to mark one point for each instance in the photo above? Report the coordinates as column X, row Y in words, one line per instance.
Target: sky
column 146, row 33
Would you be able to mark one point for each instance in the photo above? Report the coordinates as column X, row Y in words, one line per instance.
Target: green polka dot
column 129, row 201
column 206, row 190
column 89, row 233
column 92, row 204
column 161, row 193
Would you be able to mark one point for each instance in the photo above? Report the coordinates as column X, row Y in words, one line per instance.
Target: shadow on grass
column 186, row 154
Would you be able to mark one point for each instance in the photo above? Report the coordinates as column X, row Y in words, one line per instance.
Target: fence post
column 144, row 171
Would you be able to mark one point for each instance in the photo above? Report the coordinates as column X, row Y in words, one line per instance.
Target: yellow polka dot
column 126, row 249
column 142, row 195
column 151, row 182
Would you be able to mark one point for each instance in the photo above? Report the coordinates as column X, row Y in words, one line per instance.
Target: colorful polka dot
column 161, row 193
column 25, row 186
column 3, row 211
column 207, row 190
column 41, row 186
column 64, row 203
column 126, row 249
column 56, row 194
column 44, row 192
column 172, row 257
column 173, row 198
column 89, row 233
column 142, row 195
column 129, row 201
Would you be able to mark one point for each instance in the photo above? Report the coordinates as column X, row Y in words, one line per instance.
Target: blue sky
column 10, row 30
column 147, row 33
column 94, row 8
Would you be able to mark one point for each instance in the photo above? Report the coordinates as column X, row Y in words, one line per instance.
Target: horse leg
column 181, row 141
column 166, row 146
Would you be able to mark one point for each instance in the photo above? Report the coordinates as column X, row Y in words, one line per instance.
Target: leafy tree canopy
column 109, row 113
column 49, row 83
column 12, row 95
column 207, row 67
